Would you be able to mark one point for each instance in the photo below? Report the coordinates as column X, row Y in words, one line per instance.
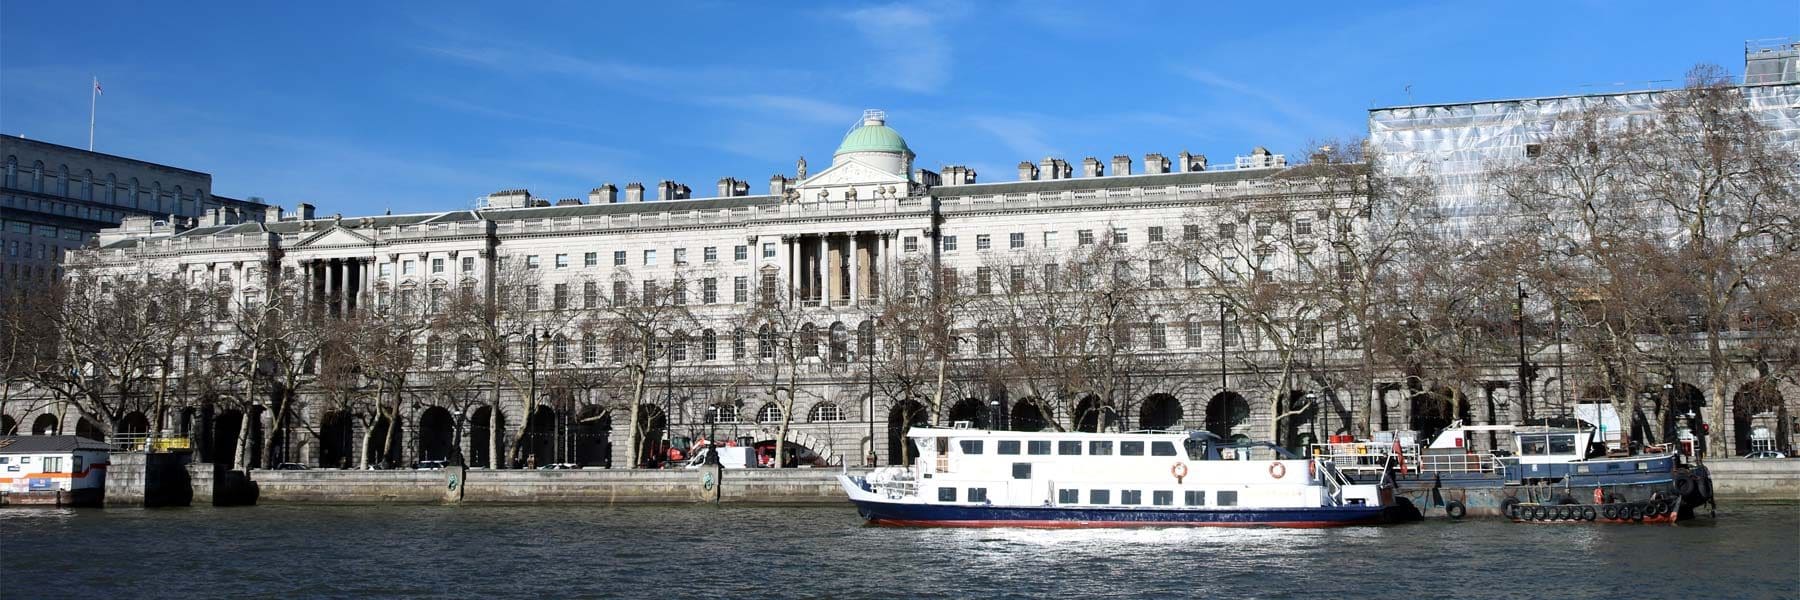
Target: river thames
column 1751, row 551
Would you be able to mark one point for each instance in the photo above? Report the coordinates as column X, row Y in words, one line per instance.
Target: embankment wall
column 1742, row 479
column 581, row 486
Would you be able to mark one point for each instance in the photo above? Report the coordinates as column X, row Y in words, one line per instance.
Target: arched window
column 865, row 339
column 825, row 412
column 709, row 345
column 37, row 176
column 809, row 341
column 1159, row 334
column 840, row 342
column 678, row 346
column 12, row 171
column 465, row 351
column 86, row 190
column 765, row 341
column 434, row 352
column 590, row 349
column 62, row 181
column 985, row 338
column 721, row 413
column 559, row 350
column 769, row 413
column 737, row 343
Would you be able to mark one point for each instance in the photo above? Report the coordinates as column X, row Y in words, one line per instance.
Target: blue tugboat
column 1551, row 474
column 979, row 478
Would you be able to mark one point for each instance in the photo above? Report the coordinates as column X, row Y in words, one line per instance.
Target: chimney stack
column 1155, row 164
column 669, row 190
column 1121, row 165
column 1192, row 163
column 778, row 185
column 730, row 187
column 605, row 194
column 1027, row 171
column 1091, row 167
column 634, row 192
column 1056, row 168
column 958, row 175
column 305, row 211
column 272, row 214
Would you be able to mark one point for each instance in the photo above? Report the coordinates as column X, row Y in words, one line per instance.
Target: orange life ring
column 1277, row 470
column 1179, row 470
column 1312, row 470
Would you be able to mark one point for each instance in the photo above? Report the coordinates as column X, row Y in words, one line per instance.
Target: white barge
column 979, row 478
column 53, row 470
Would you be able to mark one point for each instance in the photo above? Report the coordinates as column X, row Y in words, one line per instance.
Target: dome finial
column 874, row 116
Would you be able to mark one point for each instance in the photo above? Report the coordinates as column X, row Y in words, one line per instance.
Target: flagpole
column 93, row 102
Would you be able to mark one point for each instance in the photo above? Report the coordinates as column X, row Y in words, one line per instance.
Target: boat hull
column 907, row 514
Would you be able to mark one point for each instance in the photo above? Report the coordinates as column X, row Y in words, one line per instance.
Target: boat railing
column 148, row 442
column 1372, row 457
column 1333, row 478
column 893, row 481
column 1456, row 463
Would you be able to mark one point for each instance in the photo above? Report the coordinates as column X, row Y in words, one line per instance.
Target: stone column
column 791, row 245
column 856, row 264
column 822, row 265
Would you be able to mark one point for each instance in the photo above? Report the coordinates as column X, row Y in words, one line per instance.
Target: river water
column 684, row 552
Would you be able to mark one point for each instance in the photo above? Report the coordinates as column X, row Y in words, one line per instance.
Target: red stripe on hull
column 1111, row 524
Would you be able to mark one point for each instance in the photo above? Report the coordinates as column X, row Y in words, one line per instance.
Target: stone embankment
column 580, row 486
column 1741, row 479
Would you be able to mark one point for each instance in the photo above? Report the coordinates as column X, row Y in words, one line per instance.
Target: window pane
column 1009, row 446
column 1068, row 496
column 1021, row 470
column 1068, row 447
column 978, row 494
column 1195, row 498
column 1228, row 498
column 1099, row 497
column 1131, row 448
column 1131, row 497
column 946, row 494
column 1038, row 447
column 1100, row 448
column 1162, row 449
column 1162, row 498
column 971, row 446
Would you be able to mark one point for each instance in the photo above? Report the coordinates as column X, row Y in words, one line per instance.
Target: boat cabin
column 60, row 470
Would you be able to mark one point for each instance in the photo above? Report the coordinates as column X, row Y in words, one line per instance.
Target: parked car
column 291, row 467
column 429, row 465
column 559, row 466
column 1765, row 454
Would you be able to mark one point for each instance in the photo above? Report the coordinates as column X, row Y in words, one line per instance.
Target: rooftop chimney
column 1091, row 167
column 1192, row 163
column 1121, row 165
column 605, row 194
column 272, row 214
column 305, row 211
column 1155, row 164
column 958, row 175
column 669, row 190
column 1056, row 168
column 634, row 192
column 729, row 187
column 1027, row 171
column 569, row 202
column 778, row 185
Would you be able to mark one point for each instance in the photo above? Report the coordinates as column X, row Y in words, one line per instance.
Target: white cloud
column 910, row 51
column 1021, row 135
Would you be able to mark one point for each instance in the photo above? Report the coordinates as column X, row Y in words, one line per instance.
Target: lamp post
column 1524, row 388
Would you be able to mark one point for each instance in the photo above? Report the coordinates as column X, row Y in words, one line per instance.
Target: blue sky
column 365, row 107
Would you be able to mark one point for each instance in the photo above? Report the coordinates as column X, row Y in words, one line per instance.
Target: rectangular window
column 1227, row 231
column 1227, row 498
column 982, row 241
column 1193, row 332
column 910, row 243
column 978, row 494
column 1069, row 448
column 1194, row 498
column 531, row 297
column 767, row 290
column 970, row 446
column 1016, row 279
column 740, row 253
column 1037, row 447
column 409, row 267
column 681, row 256
column 1100, row 448
column 1190, row 233
column 984, row 280
column 1264, row 229
column 591, row 259
column 387, row 269
column 1162, row 498
column 1084, row 237
column 562, row 261
column 1049, row 239
column 949, row 243
column 531, row 262
column 1015, row 240
column 437, row 265
column 740, row 289
column 1155, row 233
column 1068, row 496
column 1162, row 448
column 1009, row 447
column 621, row 290
column 1099, row 496
column 1021, row 470
column 1120, row 236
column 946, row 494
column 709, row 254
column 649, row 257
column 590, row 295
column 1131, row 448
column 768, row 249
column 1303, row 225
column 559, row 296
column 1050, row 276
column 1131, row 497
column 618, row 258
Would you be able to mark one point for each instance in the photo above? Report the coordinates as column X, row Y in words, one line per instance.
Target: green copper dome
column 874, row 137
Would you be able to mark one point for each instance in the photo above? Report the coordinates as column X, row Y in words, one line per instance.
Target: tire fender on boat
column 1277, row 470
column 1455, row 510
column 1179, row 470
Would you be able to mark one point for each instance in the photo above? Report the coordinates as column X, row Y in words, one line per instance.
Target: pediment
column 336, row 236
column 851, row 172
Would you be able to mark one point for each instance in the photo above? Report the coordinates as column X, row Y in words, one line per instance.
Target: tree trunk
column 241, row 457
column 1715, row 441
column 493, row 441
column 635, row 440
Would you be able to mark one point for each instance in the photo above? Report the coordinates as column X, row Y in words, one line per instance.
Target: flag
column 97, row 89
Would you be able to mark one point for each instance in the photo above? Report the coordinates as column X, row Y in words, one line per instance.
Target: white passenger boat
column 980, row 478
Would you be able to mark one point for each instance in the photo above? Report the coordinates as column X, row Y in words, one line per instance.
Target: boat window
column 971, row 446
column 1562, row 444
column 1038, row 447
column 1532, row 446
column 1131, row 497
column 1227, row 498
column 946, row 494
column 1068, row 496
column 1162, row 498
column 1099, row 497
column 978, row 494
column 5, row 460
column 1068, row 448
column 1131, row 448
column 1162, row 448
column 1009, row 446
column 1021, row 470
column 1195, row 498
column 77, row 465
column 24, row 460
column 52, row 464
column 1100, row 448
column 1196, row 449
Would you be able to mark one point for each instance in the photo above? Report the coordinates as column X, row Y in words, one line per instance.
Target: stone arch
column 482, row 433
column 593, row 437
column 651, row 424
column 904, row 416
column 1673, row 403
column 800, row 440
column 44, row 424
column 1160, row 411
column 87, row 428
column 1227, row 412
column 977, row 413
column 437, row 435
column 1092, row 415
column 1756, row 404
column 537, row 447
column 381, row 450
column 1032, row 414
column 8, row 425
column 337, row 446
column 839, row 343
column 1433, row 411
column 227, row 426
column 134, row 423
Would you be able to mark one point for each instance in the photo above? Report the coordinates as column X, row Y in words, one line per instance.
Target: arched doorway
column 336, row 445
column 538, row 448
column 1298, row 429
column 1031, row 414
column 977, row 413
column 386, row 441
column 134, row 423
column 1434, row 411
column 481, row 436
column 227, row 427
column 1226, row 412
column 901, row 419
column 1676, row 402
column 43, row 425
column 87, row 428
column 1160, row 411
column 1759, row 418
column 593, row 437
column 652, row 424
column 1093, row 416
column 437, row 434
column 8, row 426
